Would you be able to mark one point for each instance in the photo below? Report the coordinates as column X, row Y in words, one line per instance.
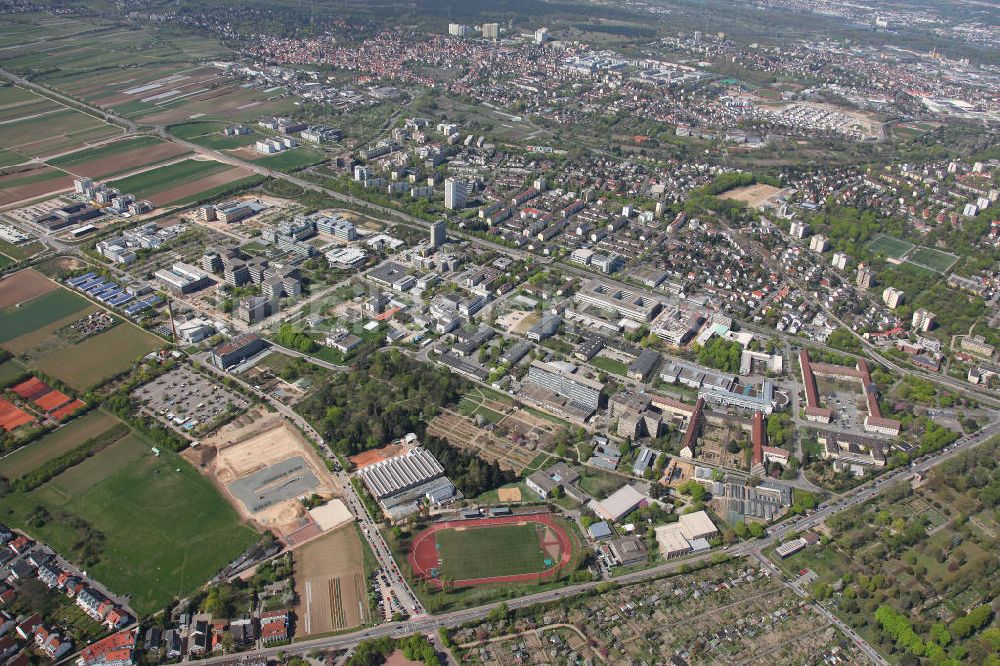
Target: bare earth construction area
column 263, row 465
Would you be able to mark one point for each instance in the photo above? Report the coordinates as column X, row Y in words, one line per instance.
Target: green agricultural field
column 55, row 444
column 155, row 180
column 5, row 261
column 107, row 150
column 33, row 176
column 936, row 260
column 12, row 95
column 483, row 552
column 205, row 195
column 33, row 133
column 291, row 160
column 16, row 321
column 165, row 529
column 188, row 131
column 98, row 358
column 10, row 158
column 894, row 248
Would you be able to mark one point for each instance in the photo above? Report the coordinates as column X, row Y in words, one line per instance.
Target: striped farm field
column 148, row 183
column 118, row 157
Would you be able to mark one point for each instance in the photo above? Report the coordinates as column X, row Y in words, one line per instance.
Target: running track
column 423, row 554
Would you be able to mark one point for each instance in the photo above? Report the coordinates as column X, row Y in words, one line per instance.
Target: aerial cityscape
column 341, row 333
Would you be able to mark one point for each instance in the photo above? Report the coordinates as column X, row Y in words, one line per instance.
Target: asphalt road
column 857, row 496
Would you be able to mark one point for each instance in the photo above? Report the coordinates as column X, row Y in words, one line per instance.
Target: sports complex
column 484, row 551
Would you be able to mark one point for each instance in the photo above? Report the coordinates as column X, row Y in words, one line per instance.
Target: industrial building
column 399, row 484
column 238, row 350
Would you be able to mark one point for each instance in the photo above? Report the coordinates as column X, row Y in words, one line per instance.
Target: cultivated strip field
column 118, row 157
column 331, row 584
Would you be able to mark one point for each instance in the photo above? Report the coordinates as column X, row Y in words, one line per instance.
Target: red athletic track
column 423, row 554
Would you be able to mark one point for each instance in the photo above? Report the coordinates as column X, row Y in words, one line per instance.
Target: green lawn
column 192, row 129
column 19, row 252
column 100, row 357
column 150, row 182
column 219, row 141
column 611, row 365
column 9, row 371
column 490, row 551
column 166, row 529
column 55, row 305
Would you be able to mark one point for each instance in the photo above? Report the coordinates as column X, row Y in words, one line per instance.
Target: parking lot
column 186, row 399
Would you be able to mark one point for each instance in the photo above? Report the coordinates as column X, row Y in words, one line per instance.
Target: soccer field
column 893, row 248
column 936, row 260
column 484, row 552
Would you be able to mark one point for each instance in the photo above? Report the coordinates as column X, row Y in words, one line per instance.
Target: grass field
column 291, row 160
column 894, row 248
column 936, row 260
column 9, row 371
column 5, row 261
column 490, row 551
column 19, row 252
column 55, row 305
column 166, row 529
column 155, row 180
column 56, row 443
column 608, row 364
column 98, row 358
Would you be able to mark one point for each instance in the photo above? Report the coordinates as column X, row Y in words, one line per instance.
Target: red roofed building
column 20, row 544
column 762, row 453
column 115, row 650
column 274, row 626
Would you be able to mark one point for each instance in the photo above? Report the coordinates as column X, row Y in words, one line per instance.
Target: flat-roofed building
column 626, row 302
column 677, row 324
column 577, row 390
column 676, row 539
column 237, row 350
column 619, row 504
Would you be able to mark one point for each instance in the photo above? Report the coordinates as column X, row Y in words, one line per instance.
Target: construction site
column 265, row 468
